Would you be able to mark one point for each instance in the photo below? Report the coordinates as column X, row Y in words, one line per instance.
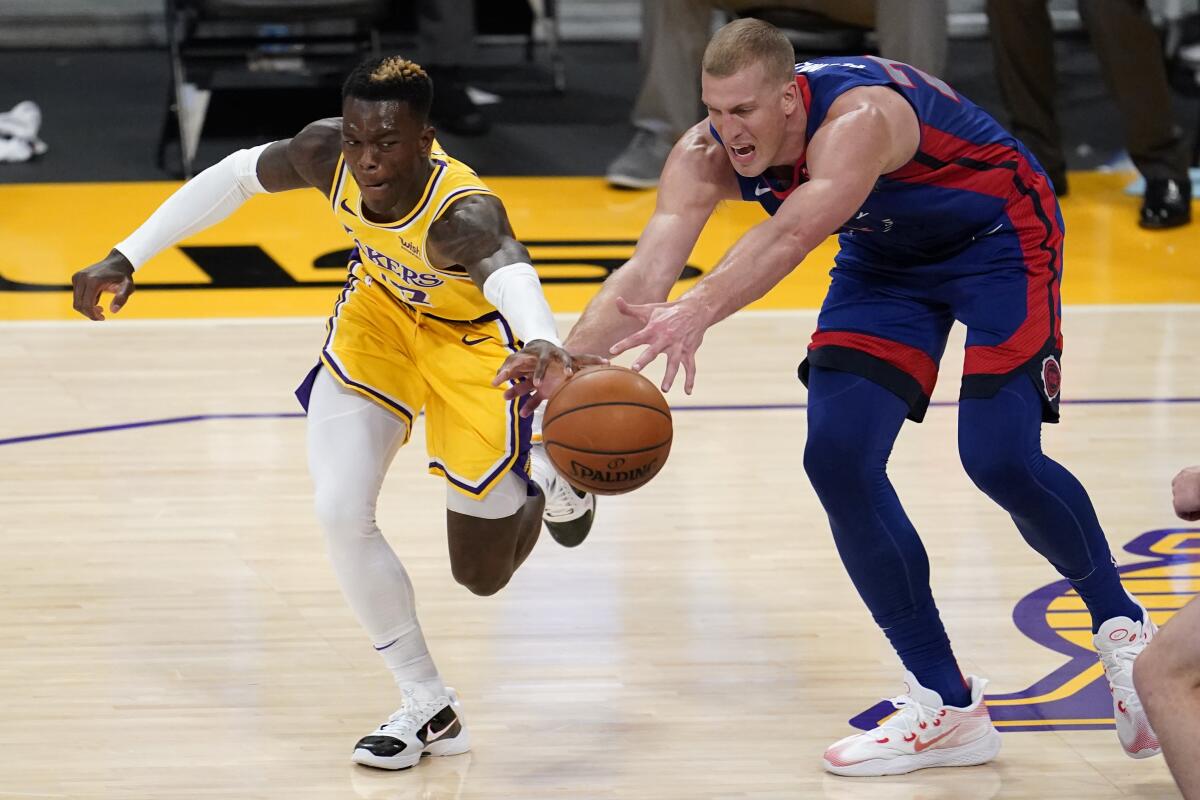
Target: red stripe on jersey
column 799, row 166
column 901, row 356
column 805, row 93
column 1042, row 250
column 947, row 148
column 997, row 170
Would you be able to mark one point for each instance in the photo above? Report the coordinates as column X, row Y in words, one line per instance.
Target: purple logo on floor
column 1075, row 696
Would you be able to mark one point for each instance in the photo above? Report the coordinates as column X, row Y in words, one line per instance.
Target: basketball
column 607, row 430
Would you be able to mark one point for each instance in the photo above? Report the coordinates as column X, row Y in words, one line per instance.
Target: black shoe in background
column 1167, row 203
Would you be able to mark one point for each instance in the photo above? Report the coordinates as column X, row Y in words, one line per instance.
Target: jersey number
column 414, row 296
column 896, row 71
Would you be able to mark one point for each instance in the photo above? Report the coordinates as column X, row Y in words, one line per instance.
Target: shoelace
column 913, row 716
column 561, row 499
column 1118, row 664
column 408, row 717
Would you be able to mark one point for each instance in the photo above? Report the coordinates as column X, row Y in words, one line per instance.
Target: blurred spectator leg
column 1023, row 49
column 913, row 32
column 674, row 34
column 1131, row 60
column 447, row 28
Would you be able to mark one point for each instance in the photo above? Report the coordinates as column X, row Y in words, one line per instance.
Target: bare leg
column 485, row 552
column 1167, row 677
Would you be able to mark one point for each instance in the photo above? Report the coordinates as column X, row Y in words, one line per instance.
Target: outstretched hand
column 675, row 329
column 114, row 274
column 538, row 370
column 1185, row 492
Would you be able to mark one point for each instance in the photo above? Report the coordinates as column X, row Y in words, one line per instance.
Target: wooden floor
column 169, row 626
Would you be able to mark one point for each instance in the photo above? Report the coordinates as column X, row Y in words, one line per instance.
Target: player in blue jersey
column 943, row 216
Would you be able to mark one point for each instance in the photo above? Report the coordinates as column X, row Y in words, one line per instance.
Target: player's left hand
column 675, row 328
column 1185, row 491
column 538, row 370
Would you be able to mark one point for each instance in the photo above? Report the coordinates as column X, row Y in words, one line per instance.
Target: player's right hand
column 538, row 370
column 1185, row 491
column 114, row 274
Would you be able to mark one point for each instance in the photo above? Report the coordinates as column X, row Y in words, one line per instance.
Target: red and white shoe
column 922, row 733
column 1119, row 642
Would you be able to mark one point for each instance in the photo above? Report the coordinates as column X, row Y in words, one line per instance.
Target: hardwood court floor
column 170, row 628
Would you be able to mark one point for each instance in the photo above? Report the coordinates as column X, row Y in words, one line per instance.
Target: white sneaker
column 18, row 133
column 1119, row 642
column 423, row 725
column 922, row 733
column 569, row 512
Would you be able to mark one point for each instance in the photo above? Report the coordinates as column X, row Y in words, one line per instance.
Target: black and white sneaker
column 569, row 512
column 422, row 726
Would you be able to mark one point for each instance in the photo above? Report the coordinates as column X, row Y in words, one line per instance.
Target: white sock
column 540, row 468
column 351, row 443
column 408, row 659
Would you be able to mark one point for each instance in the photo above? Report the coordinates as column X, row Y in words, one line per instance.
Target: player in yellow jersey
column 439, row 294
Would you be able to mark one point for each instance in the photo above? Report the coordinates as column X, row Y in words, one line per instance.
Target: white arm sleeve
column 200, row 203
column 516, row 293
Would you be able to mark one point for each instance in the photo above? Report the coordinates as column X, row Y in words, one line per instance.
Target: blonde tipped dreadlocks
column 391, row 78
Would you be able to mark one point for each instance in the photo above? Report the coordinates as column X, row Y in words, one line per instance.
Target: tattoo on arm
column 475, row 234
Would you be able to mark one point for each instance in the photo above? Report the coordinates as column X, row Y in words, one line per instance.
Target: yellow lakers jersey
column 393, row 253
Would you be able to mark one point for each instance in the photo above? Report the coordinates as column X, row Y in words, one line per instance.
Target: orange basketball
column 607, row 430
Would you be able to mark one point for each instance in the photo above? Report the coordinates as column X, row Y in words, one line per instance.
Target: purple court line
column 152, row 423
column 1097, row 401
column 147, row 423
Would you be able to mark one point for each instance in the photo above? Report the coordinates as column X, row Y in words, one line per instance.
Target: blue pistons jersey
column 970, row 178
column 968, row 230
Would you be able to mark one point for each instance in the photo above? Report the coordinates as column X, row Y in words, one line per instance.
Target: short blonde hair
column 746, row 41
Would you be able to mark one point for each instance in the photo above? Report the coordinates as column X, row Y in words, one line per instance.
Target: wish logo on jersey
column 1075, row 696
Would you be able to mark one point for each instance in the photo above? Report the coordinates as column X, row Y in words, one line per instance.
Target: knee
column 834, row 462
column 480, row 579
column 1162, row 668
column 994, row 470
column 1152, row 675
column 342, row 512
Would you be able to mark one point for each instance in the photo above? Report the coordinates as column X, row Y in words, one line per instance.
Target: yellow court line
column 1169, row 545
column 1066, row 690
column 1160, row 601
column 1013, row 723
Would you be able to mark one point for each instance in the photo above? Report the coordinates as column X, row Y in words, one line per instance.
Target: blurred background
column 551, row 82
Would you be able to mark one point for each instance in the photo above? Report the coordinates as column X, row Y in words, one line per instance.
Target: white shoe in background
column 19, row 133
